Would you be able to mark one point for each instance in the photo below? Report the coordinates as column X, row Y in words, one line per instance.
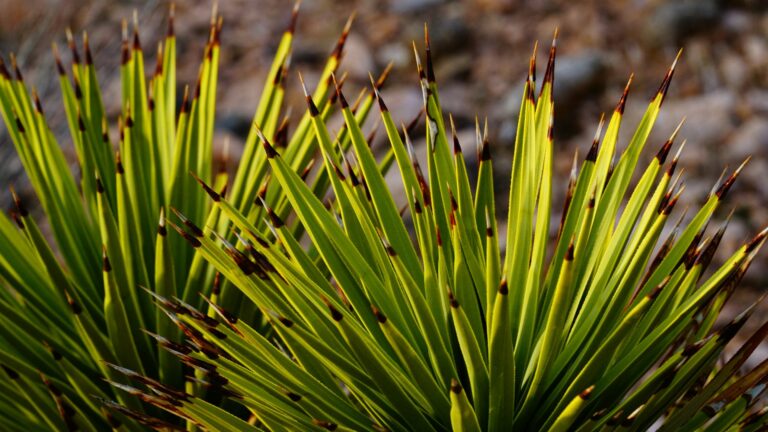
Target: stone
column 403, row 101
column 579, row 75
column 710, row 119
column 410, row 6
column 358, row 58
column 673, row 21
column 750, row 139
column 734, row 70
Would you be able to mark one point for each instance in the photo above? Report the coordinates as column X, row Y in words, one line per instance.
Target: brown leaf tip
column 380, row 317
column 274, row 219
column 569, row 252
column 623, row 101
column 593, row 150
column 325, row 424
column 125, row 53
column 80, row 122
column 389, row 248
column 485, row 151
column 672, row 202
column 756, row 241
column 87, row 49
column 162, row 231
column 106, row 267
column 726, row 186
column 16, row 69
column 37, row 103
column 270, row 151
column 119, row 164
column 338, row 50
column 587, row 392
column 136, row 41
column 313, row 111
column 452, row 299
column 456, row 145
column 503, row 289
column 549, row 73
column 335, row 313
column 294, row 18
column 192, row 240
column 171, row 15
column 196, row 231
column 57, row 60
column 455, row 386
column 592, row 154
column 4, row 70
column 20, row 125
column 428, row 52
column 417, row 206
column 184, row 101
column 339, row 94
column 20, row 207
column 664, row 87
column 212, row 193
column 380, row 100
column 73, row 305
column 72, row 47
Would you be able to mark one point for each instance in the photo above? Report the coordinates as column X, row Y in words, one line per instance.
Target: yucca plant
column 303, row 299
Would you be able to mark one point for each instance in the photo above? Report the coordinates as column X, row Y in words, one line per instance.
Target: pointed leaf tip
column 455, row 386
column 428, row 54
column 664, row 87
column 212, row 193
column 294, row 17
column 313, row 111
column 339, row 94
column 4, row 70
column 57, row 59
column 338, row 50
column 380, row 317
column 87, row 50
column 549, row 72
column 379, row 99
column 726, row 186
column 623, row 100
column 593, row 150
column 20, row 207
column 335, row 314
column 587, row 392
column 170, row 32
column 757, row 240
column 503, row 288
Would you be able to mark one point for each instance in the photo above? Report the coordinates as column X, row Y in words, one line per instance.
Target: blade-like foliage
column 302, row 298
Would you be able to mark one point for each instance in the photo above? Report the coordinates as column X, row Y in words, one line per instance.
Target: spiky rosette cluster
column 298, row 296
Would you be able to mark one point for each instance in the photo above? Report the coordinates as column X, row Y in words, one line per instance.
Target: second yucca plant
column 336, row 314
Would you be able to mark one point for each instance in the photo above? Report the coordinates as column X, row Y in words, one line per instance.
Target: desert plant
column 334, row 313
column 74, row 313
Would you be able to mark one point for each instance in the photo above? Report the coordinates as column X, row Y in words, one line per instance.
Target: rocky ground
column 481, row 49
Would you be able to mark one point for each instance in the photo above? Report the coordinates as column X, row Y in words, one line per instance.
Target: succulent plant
column 298, row 296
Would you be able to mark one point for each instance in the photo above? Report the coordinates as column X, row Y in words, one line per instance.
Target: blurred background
column 481, row 50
